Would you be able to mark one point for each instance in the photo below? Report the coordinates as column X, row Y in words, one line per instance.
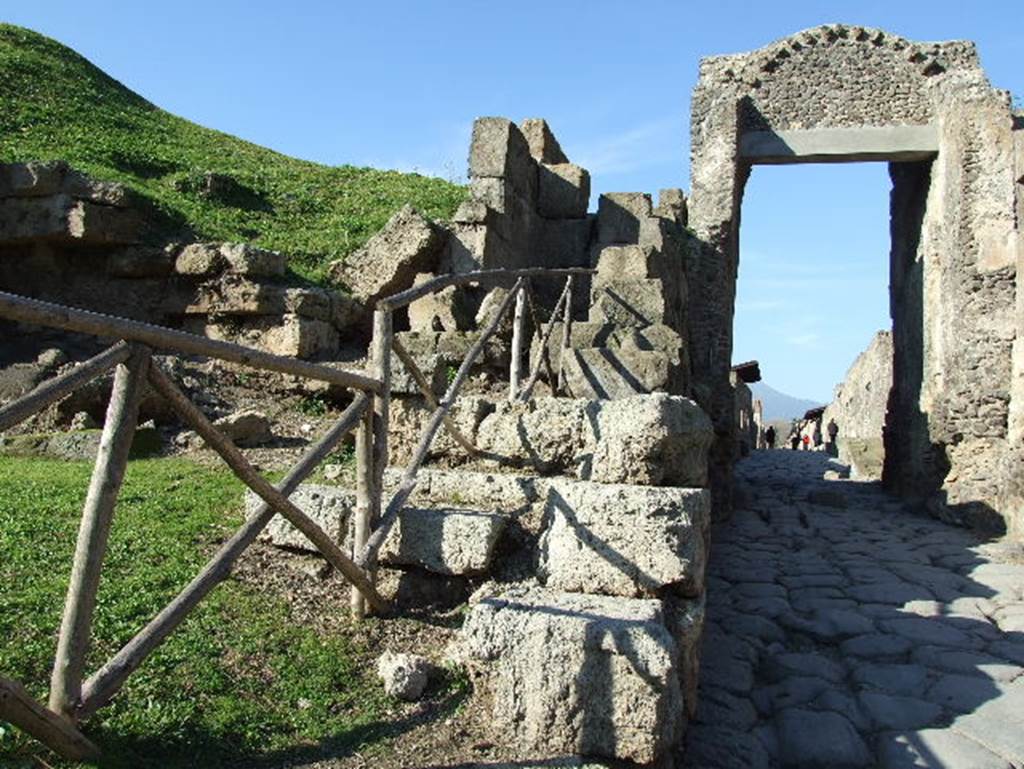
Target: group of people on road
column 801, row 439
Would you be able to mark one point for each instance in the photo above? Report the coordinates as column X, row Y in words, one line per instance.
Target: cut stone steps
column 598, row 373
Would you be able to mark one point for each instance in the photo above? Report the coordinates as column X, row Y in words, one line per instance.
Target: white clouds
column 807, row 340
column 652, row 143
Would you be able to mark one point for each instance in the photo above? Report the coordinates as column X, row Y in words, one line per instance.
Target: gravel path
column 845, row 631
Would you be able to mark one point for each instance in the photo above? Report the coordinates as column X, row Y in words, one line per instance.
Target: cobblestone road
column 844, row 631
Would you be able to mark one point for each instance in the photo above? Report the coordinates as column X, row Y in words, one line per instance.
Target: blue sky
column 397, row 84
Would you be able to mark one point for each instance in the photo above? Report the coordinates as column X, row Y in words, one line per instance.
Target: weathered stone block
column 635, row 303
column 672, row 205
column 652, row 440
column 62, row 218
column 563, row 243
column 619, row 215
column 626, row 263
column 564, row 191
column 249, row 260
column 499, row 149
column 433, row 368
column 329, row 506
column 625, row 540
column 576, row 674
column 409, row 416
column 443, row 541
column 445, row 310
column 32, row 179
column 545, row 434
column 285, row 335
column 200, row 260
column 140, row 262
column 544, row 147
column 247, row 427
column 408, row 243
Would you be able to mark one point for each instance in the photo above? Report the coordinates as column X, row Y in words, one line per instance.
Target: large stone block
column 200, row 260
column 546, row 434
column 626, row 263
column 625, row 540
column 408, row 243
column 576, row 674
column 564, row 191
column 499, row 149
column 672, row 204
column 409, row 416
column 288, row 334
column 605, row 373
column 62, row 218
column 652, row 440
column 443, row 540
column 249, row 260
column 140, row 262
column 542, row 142
column 33, row 179
column 330, row 507
column 619, row 215
column 445, row 310
column 636, row 303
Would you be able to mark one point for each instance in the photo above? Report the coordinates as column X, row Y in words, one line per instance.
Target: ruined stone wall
column 68, row 239
column 859, row 408
column 953, row 300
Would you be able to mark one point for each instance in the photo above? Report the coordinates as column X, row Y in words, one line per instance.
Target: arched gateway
column 956, row 159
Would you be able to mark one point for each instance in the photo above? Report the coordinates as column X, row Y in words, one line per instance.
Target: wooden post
column 429, row 397
column 107, row 476
column 106, row 682
column 365, row 485
column 56, row 732
column 380, row 359
column 368, row 558
column 566, row 334
column 54, row 389
column 515, row 371
column 535, row 373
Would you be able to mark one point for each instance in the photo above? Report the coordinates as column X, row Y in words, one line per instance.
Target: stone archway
column 844, row 94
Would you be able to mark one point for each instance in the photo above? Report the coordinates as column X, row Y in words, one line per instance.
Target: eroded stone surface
column 576, row 674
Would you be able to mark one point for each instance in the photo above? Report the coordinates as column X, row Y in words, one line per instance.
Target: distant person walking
column 769, row 437
column 807, row 442
column 833, row 431
column 794, row 439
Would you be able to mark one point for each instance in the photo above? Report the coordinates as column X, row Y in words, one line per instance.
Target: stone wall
column 859, row 408
column 956, row 240
column 68, row 239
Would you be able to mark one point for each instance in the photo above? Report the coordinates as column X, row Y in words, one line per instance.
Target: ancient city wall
column 840, row 94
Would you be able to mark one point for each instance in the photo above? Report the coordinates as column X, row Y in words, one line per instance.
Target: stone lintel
column 840, row 145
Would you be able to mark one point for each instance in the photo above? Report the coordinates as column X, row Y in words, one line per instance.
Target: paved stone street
column 845, row 631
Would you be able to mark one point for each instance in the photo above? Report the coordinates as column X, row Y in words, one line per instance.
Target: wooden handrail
column 41, row 313
column 482, row 277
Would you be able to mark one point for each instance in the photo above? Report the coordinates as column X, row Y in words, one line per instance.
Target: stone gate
column 956, row 158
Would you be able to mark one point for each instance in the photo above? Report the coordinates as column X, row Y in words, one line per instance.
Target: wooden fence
column 73, row 696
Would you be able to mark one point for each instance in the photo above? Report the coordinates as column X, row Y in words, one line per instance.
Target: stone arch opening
column 842, row 94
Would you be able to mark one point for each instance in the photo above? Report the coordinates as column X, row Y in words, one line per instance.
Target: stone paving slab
column 861, row 635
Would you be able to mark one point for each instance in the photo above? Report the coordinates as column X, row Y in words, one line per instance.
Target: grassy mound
column 55, row 105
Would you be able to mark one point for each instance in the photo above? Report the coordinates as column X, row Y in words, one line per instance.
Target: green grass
column 55, row 105
column 226, row 686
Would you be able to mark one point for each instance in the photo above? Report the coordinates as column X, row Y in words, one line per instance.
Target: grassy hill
column 54, row 104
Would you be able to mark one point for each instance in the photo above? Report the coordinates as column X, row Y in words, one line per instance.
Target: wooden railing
column 72, row 698
column 376, row 530
column 131, row 358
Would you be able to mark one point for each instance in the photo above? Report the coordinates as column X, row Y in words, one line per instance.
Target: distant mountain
column 778, row 405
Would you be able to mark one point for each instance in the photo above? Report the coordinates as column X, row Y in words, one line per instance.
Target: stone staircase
column 586, row 571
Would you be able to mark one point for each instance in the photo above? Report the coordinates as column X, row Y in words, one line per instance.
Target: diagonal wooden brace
column 247, row 473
